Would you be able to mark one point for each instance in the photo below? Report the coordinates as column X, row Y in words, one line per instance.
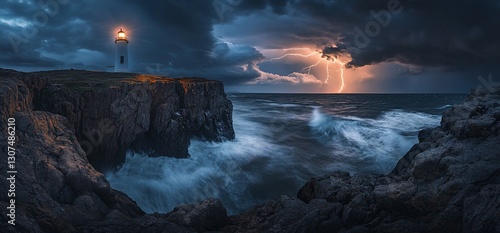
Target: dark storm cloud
column 175, row 36
column 178, row 38
column 231, row 63
column 181, row 31
column 438, row 33
column 426, row 33
column 190, row 46
column 51, row 36
column 334, row 52
column 277, row 6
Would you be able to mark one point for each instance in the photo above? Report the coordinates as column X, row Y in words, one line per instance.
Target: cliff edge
column 111, row 113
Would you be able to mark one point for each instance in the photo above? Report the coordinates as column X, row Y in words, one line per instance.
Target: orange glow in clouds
column 320, row 66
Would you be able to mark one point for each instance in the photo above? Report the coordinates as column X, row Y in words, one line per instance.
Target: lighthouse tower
column 121, row 61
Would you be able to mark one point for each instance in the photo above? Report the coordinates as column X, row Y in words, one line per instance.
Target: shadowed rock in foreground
column 449, row 182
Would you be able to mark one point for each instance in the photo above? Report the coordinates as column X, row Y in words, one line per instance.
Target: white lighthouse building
column 121, row 60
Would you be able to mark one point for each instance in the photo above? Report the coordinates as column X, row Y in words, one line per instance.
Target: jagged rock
column 207, row 215
column 56, row 187
column 477, row 118
column 289, row 215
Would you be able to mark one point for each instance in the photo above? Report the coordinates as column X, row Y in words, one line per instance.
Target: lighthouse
column 121, row 60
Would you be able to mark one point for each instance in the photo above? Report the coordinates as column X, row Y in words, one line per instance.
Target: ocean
column 282, row 140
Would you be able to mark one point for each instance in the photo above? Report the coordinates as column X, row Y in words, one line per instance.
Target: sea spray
column 282, row 141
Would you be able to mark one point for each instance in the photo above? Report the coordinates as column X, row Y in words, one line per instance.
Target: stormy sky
column 267, row 45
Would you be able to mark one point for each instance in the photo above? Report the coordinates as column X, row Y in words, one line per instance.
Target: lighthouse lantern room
column 121, row 61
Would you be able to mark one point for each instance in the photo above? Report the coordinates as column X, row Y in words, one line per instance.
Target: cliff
column 111, row 113
column 448, row 182
column 56, row 188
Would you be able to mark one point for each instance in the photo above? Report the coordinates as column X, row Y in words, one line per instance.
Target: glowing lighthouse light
column 121, row 61
column 121, row 34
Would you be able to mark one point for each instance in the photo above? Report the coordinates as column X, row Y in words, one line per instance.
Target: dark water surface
column 281, row 141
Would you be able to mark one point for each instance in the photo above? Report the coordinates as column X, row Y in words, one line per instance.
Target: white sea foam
column 221, row 170
column 382, row 141
column 275, row 151
column 444, row 107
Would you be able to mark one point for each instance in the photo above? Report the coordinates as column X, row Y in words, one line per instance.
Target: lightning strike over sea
column 329, row 60
column 342, row 64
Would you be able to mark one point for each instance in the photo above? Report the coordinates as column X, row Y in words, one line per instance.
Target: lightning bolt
column 327, row 73
column 329, row 61
column 335, row 60
column 308, row 68
column 291, row 54
column 296, row 49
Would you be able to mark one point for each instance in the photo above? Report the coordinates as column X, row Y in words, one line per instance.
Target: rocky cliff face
column 112, row 113
column 448, row 182
column 56, row 188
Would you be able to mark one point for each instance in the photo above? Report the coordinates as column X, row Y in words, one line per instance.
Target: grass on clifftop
column 83, row 80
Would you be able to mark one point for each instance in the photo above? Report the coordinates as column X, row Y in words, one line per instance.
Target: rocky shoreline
column 448, row 182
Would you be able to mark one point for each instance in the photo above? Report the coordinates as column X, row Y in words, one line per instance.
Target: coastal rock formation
column 448, row 182
column 111, row 113
column 56, row 188
column 208, row 215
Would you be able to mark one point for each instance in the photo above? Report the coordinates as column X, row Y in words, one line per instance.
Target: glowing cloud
column 330, row 55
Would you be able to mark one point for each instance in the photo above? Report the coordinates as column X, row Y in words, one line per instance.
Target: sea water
column 282, row 140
